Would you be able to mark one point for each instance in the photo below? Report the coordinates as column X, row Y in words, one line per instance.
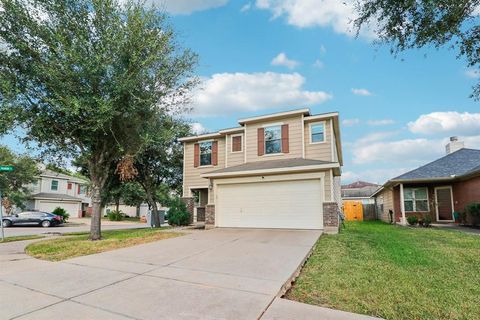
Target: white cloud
column 451, row 122
column 323, row 50
column 416, row 151
column 186, row 6
column 379, row 176
column 337, row 14
column 361, row 92
column 226, row 93
column 318, row 64
column 382, row 122
column 246, row 7
column 197, row 128
column 282, row 60
column 350, row 122
column 472, row 73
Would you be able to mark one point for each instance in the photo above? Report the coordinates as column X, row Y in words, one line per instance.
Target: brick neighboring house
column 279, row 170
column 438, row 188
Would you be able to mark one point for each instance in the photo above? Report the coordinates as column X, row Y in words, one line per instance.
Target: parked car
column 43, row 219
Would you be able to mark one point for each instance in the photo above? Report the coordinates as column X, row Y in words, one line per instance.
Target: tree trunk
column 98, row 178
column 95, row 226
column 155, row 216
column 117, row 204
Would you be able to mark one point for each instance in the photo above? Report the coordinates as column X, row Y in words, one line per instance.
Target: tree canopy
column 89, row 77
column 407, row 24
column 14, row 185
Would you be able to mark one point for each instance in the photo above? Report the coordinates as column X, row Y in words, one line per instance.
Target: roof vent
column 454, row 145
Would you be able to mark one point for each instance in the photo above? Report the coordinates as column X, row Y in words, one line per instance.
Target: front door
column 444, row 203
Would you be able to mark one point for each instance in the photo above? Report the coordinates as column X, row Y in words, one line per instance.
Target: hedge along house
column 437, row 189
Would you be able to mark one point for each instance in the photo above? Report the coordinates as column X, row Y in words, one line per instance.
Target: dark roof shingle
column 271, row 164
column 458, row 163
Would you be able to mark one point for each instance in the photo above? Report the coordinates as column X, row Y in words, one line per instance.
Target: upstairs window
column 82, row 189
column 317, row 132
column 236, row 143
column 54, row 185
column 273, row 140
column 416, row 199
column 206, row 153
column 69, row 186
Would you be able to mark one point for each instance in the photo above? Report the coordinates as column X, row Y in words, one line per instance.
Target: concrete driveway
column 216, row 274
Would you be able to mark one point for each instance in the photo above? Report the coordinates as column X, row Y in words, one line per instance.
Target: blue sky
column 274, row 55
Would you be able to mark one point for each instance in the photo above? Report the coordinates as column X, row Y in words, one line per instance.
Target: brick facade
column 330, row 216
column 190, row 203
column 210, row 214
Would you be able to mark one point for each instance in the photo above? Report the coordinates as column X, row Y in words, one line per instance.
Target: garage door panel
column 48, row 206
column 283, row 204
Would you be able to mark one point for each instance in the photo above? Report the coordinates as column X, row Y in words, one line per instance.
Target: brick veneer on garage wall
column 330, row 215
column 210, row 214
column 466, row 192
column 190, row 203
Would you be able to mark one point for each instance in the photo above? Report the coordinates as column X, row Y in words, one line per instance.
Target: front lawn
column 78, row 244
column 394, row 272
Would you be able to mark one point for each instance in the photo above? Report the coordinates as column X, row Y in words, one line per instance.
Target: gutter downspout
column 402, row 205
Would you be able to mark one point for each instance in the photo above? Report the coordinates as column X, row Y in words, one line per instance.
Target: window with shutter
column 236, row 143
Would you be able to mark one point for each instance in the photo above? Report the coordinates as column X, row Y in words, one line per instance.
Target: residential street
column 78, row 225
column 216, row 274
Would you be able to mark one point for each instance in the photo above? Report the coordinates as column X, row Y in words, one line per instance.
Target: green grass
column 21, row 238
column 77, row 244
column 394, row 272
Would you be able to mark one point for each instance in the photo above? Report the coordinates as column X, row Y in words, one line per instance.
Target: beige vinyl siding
column 294, row 133
column 328, row 186
column 385, row 197
column 191, row 174
column 235, row 158
column 319, row 151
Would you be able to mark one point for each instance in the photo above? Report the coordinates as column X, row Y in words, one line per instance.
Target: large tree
column 14, row 185
column 407, row 24
column 89, row 77
column 159, row 166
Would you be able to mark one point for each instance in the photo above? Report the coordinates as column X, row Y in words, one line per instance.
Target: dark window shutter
column 261, row 141
column 236, row 143
column 196, row 155
column 78, row 189
column 214, row 153
column 285, row 138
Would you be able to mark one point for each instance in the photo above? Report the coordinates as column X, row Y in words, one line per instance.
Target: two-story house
column 53, row 189
column 279, row 170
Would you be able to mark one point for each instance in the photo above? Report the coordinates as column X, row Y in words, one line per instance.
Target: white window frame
column 265, row 139
column 310, row 132
column 241, row 143
column 51, row 185
column 414, row 199
column 200, row 153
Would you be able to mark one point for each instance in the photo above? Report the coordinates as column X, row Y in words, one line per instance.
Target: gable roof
column 456, row 164
column 56, row 196
column 57, row 175
column 359, row 184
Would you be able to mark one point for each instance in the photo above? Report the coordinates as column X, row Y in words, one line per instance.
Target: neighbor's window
column 54, row 185
column 273, row 139
column 236, row 143
column 82, row 189
column 206, row 153
column 317, row 132
column 416, row 199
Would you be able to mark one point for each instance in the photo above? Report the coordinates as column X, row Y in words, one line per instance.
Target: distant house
column 356, row 197
column 53, row 189
column 437, row 189
column 360, row 191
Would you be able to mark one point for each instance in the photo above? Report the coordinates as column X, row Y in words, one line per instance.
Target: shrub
column 115, row 215
column 427, row 221
column 178, row 214
column 412, row 220
column 473, row 212
column 61, row 212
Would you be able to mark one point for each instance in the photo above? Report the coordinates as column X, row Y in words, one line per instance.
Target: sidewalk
column 453, row 226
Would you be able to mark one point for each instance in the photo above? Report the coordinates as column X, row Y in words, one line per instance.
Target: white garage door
column 281, row 204
column 48, row 206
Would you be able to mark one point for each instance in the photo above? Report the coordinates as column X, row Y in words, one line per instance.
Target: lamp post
column 3, row 169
